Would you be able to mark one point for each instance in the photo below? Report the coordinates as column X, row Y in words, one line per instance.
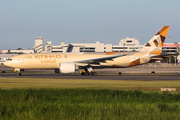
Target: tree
column 176, row 55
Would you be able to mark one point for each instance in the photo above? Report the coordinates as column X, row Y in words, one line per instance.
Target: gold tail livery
column 71, row 62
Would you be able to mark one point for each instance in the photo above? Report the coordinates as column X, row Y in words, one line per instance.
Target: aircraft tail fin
column 70, row 48
column 154, row 46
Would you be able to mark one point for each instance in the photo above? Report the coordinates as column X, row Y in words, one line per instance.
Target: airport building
column 171, row 48
column 125, row 45
column 39, row 46
column 4, row 57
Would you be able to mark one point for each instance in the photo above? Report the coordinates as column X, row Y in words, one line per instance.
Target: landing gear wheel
column 86, row 73
column 19, row 74
column 91, row 73
column 94, row 73
column 82, row 73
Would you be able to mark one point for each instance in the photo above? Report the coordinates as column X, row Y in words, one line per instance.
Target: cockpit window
column 9, row 59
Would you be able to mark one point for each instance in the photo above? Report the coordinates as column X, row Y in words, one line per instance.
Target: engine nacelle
column 67, row 67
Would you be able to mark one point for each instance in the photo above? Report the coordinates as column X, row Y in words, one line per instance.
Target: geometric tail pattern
column 152, row 48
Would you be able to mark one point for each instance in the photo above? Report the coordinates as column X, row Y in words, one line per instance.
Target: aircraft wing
column 98, row 60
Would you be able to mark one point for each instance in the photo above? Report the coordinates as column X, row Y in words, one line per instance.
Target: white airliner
column 71, row 62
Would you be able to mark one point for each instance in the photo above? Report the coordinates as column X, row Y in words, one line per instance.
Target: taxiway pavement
column 106, row 74
column 152, row 77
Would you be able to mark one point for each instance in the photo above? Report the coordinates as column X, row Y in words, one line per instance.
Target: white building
column 126, row 44
column 48, row 47
column 17, row 51
column 4, row 57
column 39, row 48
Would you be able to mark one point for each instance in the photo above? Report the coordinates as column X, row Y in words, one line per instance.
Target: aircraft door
column 21, row 60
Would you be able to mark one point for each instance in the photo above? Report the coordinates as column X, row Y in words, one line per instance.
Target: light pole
column 17, row 44
column 124, row 44
column 83, row 44
column 169, row 50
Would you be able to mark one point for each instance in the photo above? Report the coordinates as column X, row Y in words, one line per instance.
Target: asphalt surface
column 136, row 69
column 106, row 76
column 151, row 77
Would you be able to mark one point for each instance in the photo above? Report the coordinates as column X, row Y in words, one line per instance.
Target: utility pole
column 124, row 44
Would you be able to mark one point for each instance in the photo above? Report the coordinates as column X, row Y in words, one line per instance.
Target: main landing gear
column 88, row 71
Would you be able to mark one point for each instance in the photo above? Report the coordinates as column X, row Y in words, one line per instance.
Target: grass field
column 8, row 83
column 77, row 99
column 88, row 104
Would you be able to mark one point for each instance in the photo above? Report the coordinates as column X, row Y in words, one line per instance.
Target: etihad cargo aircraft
column 71, row 62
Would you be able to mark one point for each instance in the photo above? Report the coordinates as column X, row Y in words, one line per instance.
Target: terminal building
column 171, row 48
column 125, row 45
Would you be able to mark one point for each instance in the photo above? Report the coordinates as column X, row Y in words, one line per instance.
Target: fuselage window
column 9, row 59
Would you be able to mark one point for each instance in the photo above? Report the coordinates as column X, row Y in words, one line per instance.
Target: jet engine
column 67, row 67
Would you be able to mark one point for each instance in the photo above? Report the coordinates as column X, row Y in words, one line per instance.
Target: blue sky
column 70, row 21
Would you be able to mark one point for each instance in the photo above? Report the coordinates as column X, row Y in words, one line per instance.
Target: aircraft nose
column 5, row 63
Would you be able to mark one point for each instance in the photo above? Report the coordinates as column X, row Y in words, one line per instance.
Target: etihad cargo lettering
column 47, row 56
column 48, row 61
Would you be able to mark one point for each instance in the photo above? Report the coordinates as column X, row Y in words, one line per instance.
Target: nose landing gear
column 18, row 71
column 19, row 74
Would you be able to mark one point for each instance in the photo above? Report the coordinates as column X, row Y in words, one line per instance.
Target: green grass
column 78, row 99
column 9, row 83
column 87, row 104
